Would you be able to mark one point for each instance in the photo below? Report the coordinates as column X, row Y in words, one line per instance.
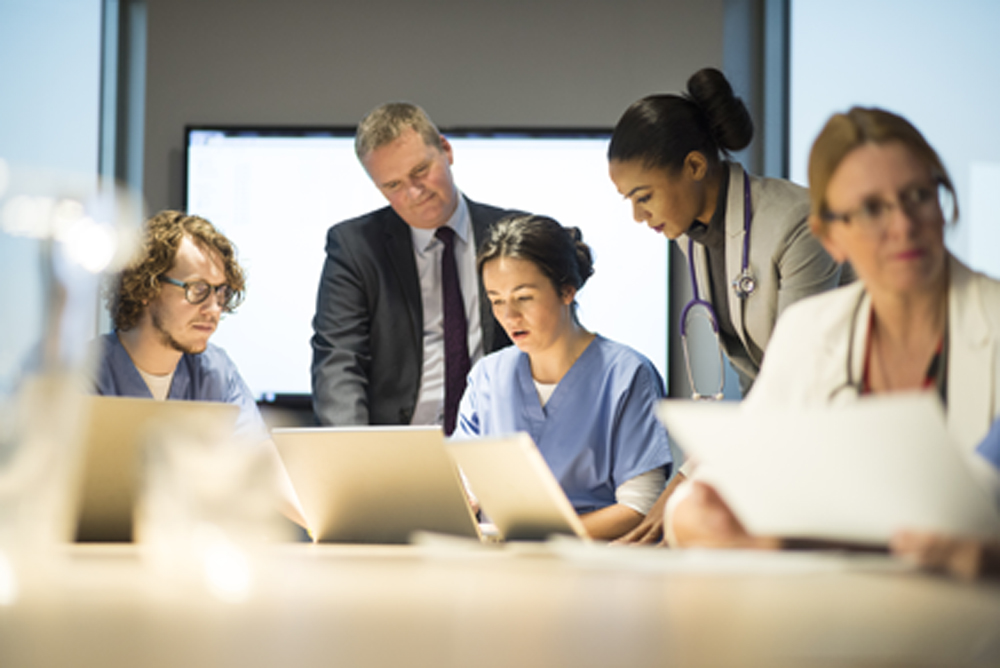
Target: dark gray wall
column 518, row 62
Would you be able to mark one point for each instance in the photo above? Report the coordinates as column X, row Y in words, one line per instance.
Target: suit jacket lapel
column 399, row 249
column 480, row 228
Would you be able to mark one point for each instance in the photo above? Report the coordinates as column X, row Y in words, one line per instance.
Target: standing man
column 401, row 314
column 165, row 306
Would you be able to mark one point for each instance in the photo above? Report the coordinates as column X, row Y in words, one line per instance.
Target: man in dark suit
column 380, row 326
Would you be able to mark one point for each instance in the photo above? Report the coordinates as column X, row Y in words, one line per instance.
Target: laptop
column 116, row 430
column 375, row 484
column 853, row 473
column 516, row 487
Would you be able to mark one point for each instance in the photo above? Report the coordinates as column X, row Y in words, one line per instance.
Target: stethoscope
column 743, row 285
column 850, row 383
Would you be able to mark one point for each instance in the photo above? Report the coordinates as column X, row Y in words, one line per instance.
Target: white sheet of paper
column 855, row 472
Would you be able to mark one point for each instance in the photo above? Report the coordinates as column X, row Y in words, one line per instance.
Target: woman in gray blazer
column 746, row 239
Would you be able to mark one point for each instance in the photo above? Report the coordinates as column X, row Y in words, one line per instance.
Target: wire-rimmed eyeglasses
column 921, row 202
column 198, row 291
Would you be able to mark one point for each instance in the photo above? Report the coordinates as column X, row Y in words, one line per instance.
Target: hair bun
column 728, row 118
column 584, row 256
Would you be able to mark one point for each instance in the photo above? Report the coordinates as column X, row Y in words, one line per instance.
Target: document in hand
column 855, row 472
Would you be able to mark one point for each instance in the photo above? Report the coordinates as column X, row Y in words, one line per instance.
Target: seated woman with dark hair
column 586, row 401
column 917, row 320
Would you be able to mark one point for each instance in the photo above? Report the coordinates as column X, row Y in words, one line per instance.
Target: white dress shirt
column 427, row 250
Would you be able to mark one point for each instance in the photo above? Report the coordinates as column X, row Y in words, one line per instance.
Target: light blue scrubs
column 596, row 431
column 990, row 447
column 206, row 376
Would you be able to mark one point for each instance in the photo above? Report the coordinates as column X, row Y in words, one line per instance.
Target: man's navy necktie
column 456, row 343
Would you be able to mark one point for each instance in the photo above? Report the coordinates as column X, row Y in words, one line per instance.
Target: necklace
column 877, row 349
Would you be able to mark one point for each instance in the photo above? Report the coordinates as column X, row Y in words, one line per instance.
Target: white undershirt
column 427, row 251
column 638, row 493
column 159, row 386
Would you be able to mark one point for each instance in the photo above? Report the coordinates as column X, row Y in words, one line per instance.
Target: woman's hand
column 703, row 519
column 966, row 558
column 611, row 521
column 650, row 529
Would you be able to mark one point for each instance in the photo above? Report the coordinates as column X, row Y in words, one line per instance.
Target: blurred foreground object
column 59, row 233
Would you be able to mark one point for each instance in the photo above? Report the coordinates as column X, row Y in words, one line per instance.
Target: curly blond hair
column 139, row 283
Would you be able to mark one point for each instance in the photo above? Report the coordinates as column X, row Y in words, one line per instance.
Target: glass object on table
column 208, row 508
column 59, row 233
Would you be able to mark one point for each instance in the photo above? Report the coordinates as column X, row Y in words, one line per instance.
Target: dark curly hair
column 139, row 283
column 559, row 252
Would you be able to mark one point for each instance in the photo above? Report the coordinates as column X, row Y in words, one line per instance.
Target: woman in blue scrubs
column 586, row 401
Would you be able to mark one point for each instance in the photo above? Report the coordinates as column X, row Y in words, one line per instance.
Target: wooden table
column 440, row 605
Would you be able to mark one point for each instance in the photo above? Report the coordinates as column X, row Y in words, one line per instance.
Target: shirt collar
column 423, row 240
column 713, row 235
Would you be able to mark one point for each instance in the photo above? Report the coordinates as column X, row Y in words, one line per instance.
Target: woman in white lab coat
column 918, row 319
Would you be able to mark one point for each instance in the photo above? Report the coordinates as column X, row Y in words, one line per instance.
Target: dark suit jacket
column 368, row 330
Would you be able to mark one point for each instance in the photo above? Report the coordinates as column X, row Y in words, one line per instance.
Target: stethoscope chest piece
column 744, row 284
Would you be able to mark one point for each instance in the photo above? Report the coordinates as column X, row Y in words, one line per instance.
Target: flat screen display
column 276, row 192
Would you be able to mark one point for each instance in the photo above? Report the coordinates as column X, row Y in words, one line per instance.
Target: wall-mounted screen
column 276, row 192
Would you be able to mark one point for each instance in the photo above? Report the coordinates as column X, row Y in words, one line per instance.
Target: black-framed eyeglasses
column 920, row 202
column 198, row 291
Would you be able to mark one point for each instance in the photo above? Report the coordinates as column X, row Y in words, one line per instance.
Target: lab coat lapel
column 971, row 360
column 399, row 248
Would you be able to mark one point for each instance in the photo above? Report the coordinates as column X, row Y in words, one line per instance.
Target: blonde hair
column 861, row 125
column 387, row 122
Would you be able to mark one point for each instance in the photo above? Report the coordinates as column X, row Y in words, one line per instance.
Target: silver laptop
column 854, row 472
column 375, row 484
column 516, row 488
column 116, row 429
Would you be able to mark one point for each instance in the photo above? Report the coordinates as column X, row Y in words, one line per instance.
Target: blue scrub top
column 206, row 376
column 990, row 447
column 597, row 430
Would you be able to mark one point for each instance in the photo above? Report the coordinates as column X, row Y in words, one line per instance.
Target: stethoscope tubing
column 744, row 286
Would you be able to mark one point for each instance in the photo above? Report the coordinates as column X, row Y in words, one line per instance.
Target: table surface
column 447, row 603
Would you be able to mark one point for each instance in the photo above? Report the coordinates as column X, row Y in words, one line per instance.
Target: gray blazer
column 368, row 329
column 787, row 261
